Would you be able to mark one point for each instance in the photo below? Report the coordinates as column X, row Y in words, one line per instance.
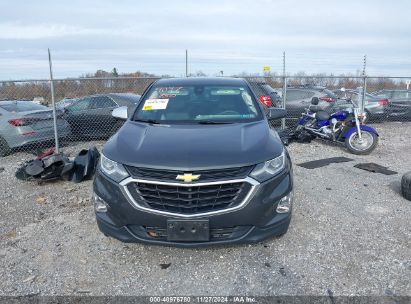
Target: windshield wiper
column 213, row 122
column 150, row 121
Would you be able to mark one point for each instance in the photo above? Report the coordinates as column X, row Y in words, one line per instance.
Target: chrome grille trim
column 254, row 187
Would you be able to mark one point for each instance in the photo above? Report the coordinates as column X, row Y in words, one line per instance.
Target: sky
column 233, row 36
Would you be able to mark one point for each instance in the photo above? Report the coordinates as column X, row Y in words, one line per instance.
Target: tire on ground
column 406, row 185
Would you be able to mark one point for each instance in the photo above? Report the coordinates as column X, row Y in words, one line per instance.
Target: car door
column 295, row 102
column 77, row 115
column 400, row 103
column 101, row 120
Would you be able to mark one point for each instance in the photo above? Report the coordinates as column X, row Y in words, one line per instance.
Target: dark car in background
column 266, row 94
column 90, row 116
column 376, row 108
column 24, row 122
column 299, row 98
column 65, row 102
column 400, row 103
column 196, row 164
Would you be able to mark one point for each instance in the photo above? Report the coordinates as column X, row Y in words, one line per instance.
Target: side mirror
column 315, row 101
column 120, row 113
column 276, row 113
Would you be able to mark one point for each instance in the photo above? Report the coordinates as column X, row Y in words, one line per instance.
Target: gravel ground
column 350, row 235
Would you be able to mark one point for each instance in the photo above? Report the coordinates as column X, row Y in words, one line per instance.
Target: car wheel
column 406, row 185
column 4, row 147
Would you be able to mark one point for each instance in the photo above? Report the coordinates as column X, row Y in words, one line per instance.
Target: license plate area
column 188, row 230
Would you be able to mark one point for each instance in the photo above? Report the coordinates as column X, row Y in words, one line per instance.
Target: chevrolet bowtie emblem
column 188, row 177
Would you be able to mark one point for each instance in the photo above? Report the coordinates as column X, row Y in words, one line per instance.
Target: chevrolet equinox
column 195, row 164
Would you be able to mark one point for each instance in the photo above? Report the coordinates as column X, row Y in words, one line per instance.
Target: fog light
column 99, row 204
column 284, row 205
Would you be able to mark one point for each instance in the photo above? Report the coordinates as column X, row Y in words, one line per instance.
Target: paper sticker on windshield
column 155, row 104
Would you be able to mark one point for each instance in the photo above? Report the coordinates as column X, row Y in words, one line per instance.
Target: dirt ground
column 350, row 235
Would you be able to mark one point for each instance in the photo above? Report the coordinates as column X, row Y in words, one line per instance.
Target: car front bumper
column 255, row 221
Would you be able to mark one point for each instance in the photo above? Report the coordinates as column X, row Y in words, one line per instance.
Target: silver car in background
column 24, row 122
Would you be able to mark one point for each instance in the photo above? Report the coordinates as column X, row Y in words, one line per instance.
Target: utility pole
column 186, row 63
column 284, row 91
column 56, row 137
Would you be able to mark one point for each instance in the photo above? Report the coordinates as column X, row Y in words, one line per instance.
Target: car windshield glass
column 64, row 103
column 330, row 93
column 22, row 106
column 269, row 89
column 198, row 104
column 382, row 95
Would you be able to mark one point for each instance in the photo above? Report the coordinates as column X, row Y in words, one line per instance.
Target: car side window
column 353, row 97
column 402, row 94
column 81, row 105
column 101, row 102
column 309, row 94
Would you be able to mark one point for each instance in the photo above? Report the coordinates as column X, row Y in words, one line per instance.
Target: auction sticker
column 155, row 104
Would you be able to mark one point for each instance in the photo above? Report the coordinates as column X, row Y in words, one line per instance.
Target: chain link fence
column 384, row 99
column 84, row 105
column 83, row 111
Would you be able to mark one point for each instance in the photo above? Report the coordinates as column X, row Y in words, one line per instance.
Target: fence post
column 284, row 91
column 56, row 137
column 364, row 85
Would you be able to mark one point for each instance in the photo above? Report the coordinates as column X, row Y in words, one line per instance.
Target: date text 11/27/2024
column 203, row 299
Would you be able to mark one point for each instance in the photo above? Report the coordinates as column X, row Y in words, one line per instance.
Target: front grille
column 188, row 199
column 205, row 175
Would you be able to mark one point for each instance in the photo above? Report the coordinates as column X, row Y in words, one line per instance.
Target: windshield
column 330, row 93
column 64, row 103
column 198, row 104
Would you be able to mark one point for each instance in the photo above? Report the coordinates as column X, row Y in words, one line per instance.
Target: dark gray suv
column 196, row 164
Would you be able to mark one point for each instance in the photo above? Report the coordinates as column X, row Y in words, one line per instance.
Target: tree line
column 112, row 82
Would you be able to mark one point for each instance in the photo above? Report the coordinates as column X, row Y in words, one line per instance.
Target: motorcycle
column 345, row 127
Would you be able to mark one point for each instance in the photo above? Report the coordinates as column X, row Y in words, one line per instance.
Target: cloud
column 229, row 35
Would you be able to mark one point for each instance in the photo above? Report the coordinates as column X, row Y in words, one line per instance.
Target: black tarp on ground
column 324, row 162
column 372, row 167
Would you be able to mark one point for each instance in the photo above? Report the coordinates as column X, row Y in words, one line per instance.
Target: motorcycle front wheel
column 365, row 145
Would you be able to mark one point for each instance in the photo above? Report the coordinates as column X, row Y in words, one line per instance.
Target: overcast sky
column 230, row 35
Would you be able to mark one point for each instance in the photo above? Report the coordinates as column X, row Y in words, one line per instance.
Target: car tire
column 406, row 185
column 4, row 147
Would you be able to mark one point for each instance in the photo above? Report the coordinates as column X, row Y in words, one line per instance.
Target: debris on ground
column 29, row 279
column 165, row 265
column 48, row 166
column 40, row 199
column 375, row 168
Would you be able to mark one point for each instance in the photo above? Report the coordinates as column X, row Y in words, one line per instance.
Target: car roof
column 229, row 81
column 306, row 87
column 13, row 101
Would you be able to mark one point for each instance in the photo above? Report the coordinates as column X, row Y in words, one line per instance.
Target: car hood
column 193, row 147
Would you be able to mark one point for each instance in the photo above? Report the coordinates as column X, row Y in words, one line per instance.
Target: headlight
column 112, row 169
column 268, row 169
